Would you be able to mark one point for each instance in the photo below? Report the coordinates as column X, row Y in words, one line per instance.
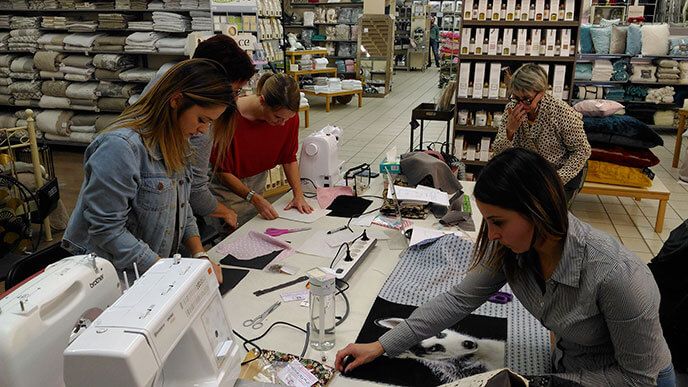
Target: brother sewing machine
column 319, row 159
column 168, row 329
column 39, row 318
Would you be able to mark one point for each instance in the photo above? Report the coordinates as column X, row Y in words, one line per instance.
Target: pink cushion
column 597, row 107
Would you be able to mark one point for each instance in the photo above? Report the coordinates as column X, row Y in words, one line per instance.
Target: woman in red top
column 266, row 135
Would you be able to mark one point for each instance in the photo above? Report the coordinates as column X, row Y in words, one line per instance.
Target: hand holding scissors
column 257, row 322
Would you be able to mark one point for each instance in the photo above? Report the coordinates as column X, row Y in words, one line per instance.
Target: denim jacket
column 127, row 206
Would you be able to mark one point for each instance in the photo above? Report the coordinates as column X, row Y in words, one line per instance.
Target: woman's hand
column 299, row 202
column 228, row 215
column 218, row 271
column 361, row 354
column 516, row 117
column 264, row 207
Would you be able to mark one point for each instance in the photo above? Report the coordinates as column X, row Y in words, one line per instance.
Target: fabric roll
column 22, row 64
column 108, row 75
column 104, row 120
column 55, row 88
column 51, row 74
column 78, row 61
column 50, row 102
column 112, row 104
column 54, row 121
column 84, row 120
column 83, row 128
column 82, row 90
column 47, row 60
column 7, row 100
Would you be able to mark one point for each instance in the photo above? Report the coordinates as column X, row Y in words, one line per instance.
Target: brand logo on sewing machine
column 96, row 281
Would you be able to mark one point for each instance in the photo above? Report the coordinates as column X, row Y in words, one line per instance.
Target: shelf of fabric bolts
column 127, row 10
column 87, row 52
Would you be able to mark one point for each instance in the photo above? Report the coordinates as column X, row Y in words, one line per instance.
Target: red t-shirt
column 258, row 146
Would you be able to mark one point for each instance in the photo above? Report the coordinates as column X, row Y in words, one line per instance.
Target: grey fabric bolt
column 55, row 88
column 78, row 61
column 54, row 121
column 112, row 104
column 108, row 75
column 416, row 166
column 47, row 60
column 84, row 119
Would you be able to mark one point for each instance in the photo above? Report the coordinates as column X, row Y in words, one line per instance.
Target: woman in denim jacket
column 134, row 203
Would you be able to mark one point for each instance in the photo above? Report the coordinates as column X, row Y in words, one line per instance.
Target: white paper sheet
column 317, row 245
column 422, row 234
column 420, row 195
column 295, row 215
column 335, row 240
column 364, row 221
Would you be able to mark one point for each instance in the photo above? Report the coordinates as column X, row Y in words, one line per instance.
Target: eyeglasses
column 526, row 101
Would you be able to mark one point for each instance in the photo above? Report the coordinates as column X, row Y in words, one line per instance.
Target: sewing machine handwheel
column 344, row 99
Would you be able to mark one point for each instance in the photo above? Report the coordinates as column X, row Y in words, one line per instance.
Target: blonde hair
column 200, row 82
column 279, row 91
column 529, row 77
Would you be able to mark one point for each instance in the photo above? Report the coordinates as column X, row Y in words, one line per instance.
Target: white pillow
column 597, row 107
column 655, row 38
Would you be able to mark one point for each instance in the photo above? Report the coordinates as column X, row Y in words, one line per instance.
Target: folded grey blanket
column 114, row 62
column 47, row 60
column 50, row 102
column 112, row 49
column 22, row 64
column 84, row 119
column 82, row 90
column 112, row 104
column 104, row 120
column 51, row 74
column 55, row 88
column 78, row 61
column 54, row 121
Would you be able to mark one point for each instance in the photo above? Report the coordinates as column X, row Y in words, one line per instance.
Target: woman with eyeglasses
column 134, row 207
column 266, row 135
column 537, row 121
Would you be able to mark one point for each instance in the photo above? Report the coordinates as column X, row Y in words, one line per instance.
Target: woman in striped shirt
column 597, row 298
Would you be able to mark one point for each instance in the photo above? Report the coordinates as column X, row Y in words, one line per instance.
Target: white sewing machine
column 168, row 329
column 319, row 159
column 41, row 317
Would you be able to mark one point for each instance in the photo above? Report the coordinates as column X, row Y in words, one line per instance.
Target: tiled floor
column 384, row 122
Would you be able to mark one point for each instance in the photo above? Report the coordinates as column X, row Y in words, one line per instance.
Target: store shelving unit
column 375, row 52
column 486, row 45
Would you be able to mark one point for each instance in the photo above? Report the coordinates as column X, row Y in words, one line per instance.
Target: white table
column 365, row 282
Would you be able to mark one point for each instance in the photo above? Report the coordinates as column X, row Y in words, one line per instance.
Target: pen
column 336, row 230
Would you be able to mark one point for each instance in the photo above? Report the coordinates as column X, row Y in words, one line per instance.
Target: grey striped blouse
column 601, row 302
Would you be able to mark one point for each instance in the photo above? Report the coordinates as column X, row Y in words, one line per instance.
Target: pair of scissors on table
column 501, row 298
column 257, row 322
column 281, row 231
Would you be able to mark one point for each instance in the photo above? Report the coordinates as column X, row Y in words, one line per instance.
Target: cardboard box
column 465, row 40
column 478, row 79
column 468, row 9
column 506, row 41
column 464, row 79
column 558, row 81
column 539, row 10
column 565, row 42
column 492, row 41
column 482, row 9
column 570, row 9
column 535, row 40
column 511, row 10
column 479, row 40
column 550, row 42
column 390, row 166
column 495, row 73
column 521, row 41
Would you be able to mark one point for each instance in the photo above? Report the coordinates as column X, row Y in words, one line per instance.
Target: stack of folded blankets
column 602, row 70
column 82, row 95
column 55, row 22
column 113, row 20
column 201, row 21
column 55, row 95
column 82, row 25
column 51, row 42
column 48, row 64
column 6, row 97
column 584, row 71
column 172, row 4
column 643, row 73
column 4, row 39
column 77, row 68
column 82, row 128
column 303, row 102
column 130, row 4
column 110, row 43
column 94, row 4
column 189, row 4
column 24, row 40
column 616, row 93
column 22, row 22
column 621, row 145
column 143, row 41
column 156, row 4
column 114, row 96
column 621, row 71
column 334, row 84
column 19, row 4
column 110, row 66
column 170, row 22
column 81, row 41
column 141, row 25
column 67, row 4
column 171, row 45
column 139, row 74
column 668, row 71
column 22, row 69
column 26, row 93
column 43, row 4
column 352, row 84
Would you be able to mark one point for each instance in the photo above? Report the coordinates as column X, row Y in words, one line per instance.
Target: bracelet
column 250, row 194
column 201, row 254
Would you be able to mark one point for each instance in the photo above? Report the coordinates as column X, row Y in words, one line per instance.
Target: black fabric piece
column 231, row 278
column 348, row 206
column 411, row 372
column 254, row 263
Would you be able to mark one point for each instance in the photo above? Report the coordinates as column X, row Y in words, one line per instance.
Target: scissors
column 257, row 322
column 501, row 298
column 281, row 231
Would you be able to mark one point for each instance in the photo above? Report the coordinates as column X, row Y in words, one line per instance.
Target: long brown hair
column 523, row 181
column 201, row 82
column 279, row 91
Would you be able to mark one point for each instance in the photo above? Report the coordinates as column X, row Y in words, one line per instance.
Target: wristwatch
column 250, row 194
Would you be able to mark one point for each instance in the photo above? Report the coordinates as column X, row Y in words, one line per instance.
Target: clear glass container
column 322, row 312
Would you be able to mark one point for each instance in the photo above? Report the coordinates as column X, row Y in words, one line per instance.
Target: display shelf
column 519, row 23
column 308, row 5
column 519, row 58
column 472, row 128
column 124, row 10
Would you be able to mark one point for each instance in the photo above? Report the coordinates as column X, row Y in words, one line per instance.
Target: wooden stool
column 682, row 114
column 305, row 110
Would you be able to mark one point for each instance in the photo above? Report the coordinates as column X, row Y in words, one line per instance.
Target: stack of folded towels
column 352, row 84
column 334, row 84
column 110, row 43
column 170, row 22
column 602, row 70
column 78, row 68
column 130, row 4
column 320, row 63
column 81, row 41
column 113, row 20
column 668, row 71
column 173, row 46
column 201, row 21
column 143, row 41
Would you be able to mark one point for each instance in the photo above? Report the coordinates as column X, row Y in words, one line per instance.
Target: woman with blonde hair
column 266, row 134
column 133, row 207
column 535, row 120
